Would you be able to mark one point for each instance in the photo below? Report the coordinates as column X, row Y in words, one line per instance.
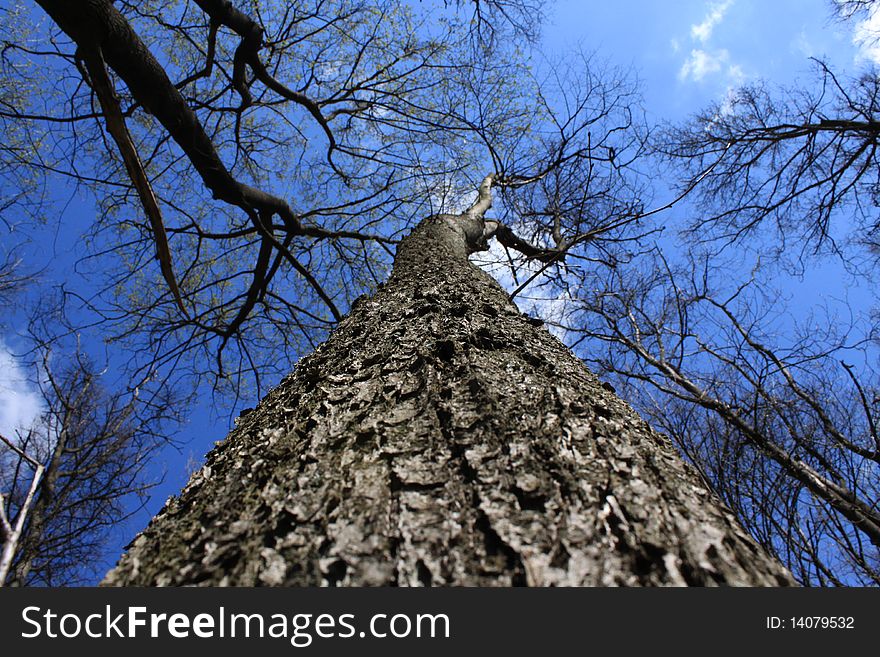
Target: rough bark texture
column 439, row 437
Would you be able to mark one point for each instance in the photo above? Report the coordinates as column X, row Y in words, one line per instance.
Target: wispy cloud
column 703, row 31
column 725, row 108
column 705, row 60
column 20, row 402
column 802, row 45
column 701, row 63
column 866, row 36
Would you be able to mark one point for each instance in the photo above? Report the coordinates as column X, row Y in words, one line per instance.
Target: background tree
column 776, row 413
column 68, row 481
column 71, row 480
column 786, row 163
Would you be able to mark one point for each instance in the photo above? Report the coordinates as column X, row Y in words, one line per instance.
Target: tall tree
column 439, row 437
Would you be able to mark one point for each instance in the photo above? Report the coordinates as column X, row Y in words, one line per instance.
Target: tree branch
column 248, row 52
column 115, row 122
column 99, row 22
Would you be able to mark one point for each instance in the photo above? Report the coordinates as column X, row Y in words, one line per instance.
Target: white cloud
column 675, row 45
column 725, row 109
column 866, row 36
column 735, row 75
column 548, row 304
column 20, row 401
column 702, row 63
column 703, row 31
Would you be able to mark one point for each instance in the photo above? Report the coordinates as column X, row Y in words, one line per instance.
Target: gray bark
column 439, row 437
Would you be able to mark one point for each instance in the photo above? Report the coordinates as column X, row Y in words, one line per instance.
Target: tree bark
column 440, row 437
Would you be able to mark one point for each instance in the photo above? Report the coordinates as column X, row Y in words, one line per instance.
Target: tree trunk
column 439, row 437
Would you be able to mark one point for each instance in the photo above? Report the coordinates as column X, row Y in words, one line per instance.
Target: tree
column 71, row 480
column 439, row 437
column 787, row 162
column 232, row 104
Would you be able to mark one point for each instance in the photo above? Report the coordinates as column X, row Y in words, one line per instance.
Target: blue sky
column 687, row 53
column 690, row 52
